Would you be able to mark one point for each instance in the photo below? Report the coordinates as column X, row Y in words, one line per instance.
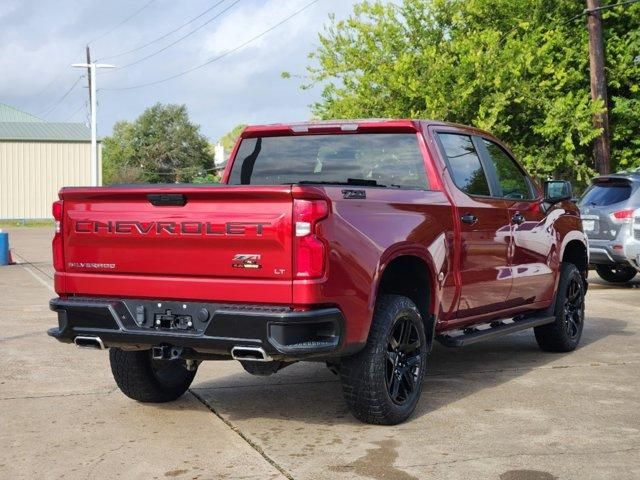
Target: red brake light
column 622, row 216
column 309, row 250
column 58, row 255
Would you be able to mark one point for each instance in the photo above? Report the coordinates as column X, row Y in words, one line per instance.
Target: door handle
column 469, row 218
column 518, row 218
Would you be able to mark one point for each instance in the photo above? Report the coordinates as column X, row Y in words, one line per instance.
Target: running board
column 497, row 329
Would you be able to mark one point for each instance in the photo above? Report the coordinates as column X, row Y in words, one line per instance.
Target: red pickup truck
column 355, row 243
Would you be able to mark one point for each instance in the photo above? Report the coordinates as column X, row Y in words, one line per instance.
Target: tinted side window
column 513, row 182
column 602, row 195
column 464, row 164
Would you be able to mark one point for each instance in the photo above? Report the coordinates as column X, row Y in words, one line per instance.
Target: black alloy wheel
column 404, row 360
column 563, row 334
column 574, row 308
column 383, row 381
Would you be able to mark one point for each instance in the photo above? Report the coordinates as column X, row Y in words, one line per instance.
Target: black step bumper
column 202, row 328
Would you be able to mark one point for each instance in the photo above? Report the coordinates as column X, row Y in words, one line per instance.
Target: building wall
column 31, row 173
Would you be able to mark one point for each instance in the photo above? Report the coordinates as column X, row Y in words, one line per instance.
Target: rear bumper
column 605, row 255
column 202, row 328
column 602, row 252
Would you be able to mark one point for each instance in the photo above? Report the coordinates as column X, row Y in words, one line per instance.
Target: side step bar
column 497, row 329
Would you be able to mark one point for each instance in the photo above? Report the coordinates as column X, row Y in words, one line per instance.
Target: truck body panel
column 204, row 249
column 486, row 257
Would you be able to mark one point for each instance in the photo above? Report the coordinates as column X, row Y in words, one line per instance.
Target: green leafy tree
column 228, row 140
column 517, row 68
column 160, row 146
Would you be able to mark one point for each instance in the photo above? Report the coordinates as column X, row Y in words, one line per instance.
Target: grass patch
column 25, row 223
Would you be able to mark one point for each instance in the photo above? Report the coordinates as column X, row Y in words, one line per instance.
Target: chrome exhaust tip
column 250, row 354
column 89, row 342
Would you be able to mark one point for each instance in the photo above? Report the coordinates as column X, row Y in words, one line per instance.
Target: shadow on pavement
column 310, row 393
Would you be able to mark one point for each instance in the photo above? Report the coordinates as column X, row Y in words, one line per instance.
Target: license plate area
column 590, row 224
column 169, row 321
column 176, row 317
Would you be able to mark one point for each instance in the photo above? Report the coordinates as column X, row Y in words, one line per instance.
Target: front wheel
column 616, row 273
column 145, row 379
column 563, row 335
column 382, row 383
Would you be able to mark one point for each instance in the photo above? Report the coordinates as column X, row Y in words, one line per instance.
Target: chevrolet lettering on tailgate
column 171, row 228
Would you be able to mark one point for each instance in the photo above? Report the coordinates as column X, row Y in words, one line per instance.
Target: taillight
column 308, row 250
column 622, row 216
column 58, row 255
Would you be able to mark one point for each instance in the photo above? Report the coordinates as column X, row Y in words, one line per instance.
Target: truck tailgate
column 191, row 232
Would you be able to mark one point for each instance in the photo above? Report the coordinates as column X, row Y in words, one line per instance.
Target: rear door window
column 604, row 194
column 368, row 159
column 464, row 164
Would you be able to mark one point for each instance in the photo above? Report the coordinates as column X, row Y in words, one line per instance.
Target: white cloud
column 41, row 38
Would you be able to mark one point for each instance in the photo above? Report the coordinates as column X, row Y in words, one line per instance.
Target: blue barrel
column 4, row 248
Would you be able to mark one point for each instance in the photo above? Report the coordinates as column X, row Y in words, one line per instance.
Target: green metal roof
column 11, row 114
column 45, row 131
column 18, row 125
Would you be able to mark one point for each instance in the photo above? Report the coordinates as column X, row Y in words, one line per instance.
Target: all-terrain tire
column 144, row 379
column 382, row 383
column 616, row 273
column 563, row 335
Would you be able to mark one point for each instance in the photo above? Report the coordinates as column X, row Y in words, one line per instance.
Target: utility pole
column 89, row 71
column 601, row 150
column 92, row 68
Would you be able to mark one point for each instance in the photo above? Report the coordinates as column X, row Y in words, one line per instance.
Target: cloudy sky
column 41, row 38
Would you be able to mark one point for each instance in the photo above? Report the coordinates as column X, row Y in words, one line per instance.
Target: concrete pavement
column 500, row 410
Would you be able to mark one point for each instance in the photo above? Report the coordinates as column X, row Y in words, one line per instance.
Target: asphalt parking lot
column 497, row 410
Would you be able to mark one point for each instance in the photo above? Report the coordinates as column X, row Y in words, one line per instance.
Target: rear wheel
column 563, row 335
column 616, row 273
column 145, row 379
column 382, row 383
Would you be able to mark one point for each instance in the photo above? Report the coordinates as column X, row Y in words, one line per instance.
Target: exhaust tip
column 250, row 354
column 89, row 342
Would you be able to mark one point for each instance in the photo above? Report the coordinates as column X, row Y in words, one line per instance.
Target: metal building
column 37, row 158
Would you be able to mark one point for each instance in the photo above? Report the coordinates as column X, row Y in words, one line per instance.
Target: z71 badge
column 246, row 260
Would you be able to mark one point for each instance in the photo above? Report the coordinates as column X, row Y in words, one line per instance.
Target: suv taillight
column 308, row 249
column 622, row 216
column 58, row 255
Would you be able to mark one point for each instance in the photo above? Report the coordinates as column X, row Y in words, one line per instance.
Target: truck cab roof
column 351, row 125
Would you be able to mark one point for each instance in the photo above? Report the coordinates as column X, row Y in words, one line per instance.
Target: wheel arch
column 575, row 250
column 410, row 273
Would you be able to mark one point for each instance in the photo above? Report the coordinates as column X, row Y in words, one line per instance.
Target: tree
column 161, row 146
column 228, row 140
column 517, row 68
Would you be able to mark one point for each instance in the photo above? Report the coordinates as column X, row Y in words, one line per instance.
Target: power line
column 57, row 77
column 62, row 72
column 219, row 57
column 163, row 36
column 606, row 7
column 55, row 105
column 75, row 112
column 179, row 39
column 115, row 27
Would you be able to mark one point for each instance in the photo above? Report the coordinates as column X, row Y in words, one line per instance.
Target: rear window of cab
column 371, row 159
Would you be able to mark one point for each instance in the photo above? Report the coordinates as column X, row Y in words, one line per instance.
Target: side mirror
column 557, row 191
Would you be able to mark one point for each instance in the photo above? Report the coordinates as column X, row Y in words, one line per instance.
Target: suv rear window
column 373, row 159
column 603, row 194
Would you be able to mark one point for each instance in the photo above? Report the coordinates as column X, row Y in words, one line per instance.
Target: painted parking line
column 37, row 277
